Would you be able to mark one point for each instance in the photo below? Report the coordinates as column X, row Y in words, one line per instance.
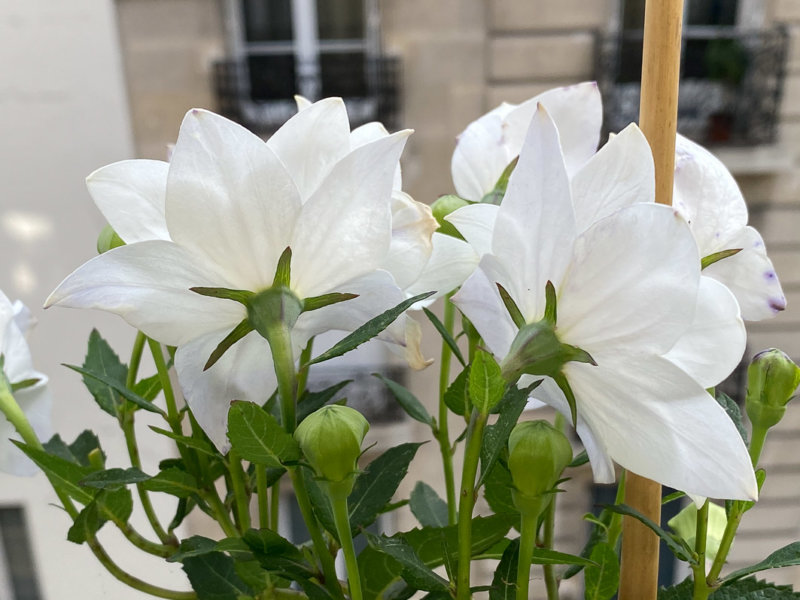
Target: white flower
column 626, row 289
column 220, row 214
column 34, row 400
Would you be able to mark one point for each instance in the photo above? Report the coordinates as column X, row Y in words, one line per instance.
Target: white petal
column 577, row 111
column 451, row 262
column 302, row 102
column 344, row 229
column 404, row 338
column 245, row 372
column 147, row 284
column 411, row 246
column 656, row 421
column 36, row 402
column 476, row 223
column 369, row 132
column 535, row 226
column 751, row 277
column 480, row 302
column 714, row 344
column 707, row 195
column 632, row 282
column 312, row 141
column 130, row 194
column 230, row 199
column 22, row 316
column 18, row 363
column 620, row 174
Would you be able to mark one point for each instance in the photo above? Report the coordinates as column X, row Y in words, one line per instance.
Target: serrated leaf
column 119, row 388
column 86, row 443
column 755, row 589
column 173, row 481
column 213, row 576
column 375, row 487
column 597, row 535
column 407, row 401
column 58, row 447
column 457, row 395
column 258, row 437
column 414, row 571
column 369, row 330
column 61, row 472
column 680, row 551
column 114, row 479
column 601, row 580
column 189, row 442
column 101, row 359
column 734, row 413
column 311, row 401
column 783, row 557
column 486, row 384
column 504, row 582
column 447, row 337
column 495, row 437
column 428, row 507
column 682, row 591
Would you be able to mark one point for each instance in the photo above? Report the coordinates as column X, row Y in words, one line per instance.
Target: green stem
column 240, row 495
column 443, row 433
column 527, row 542
column 725, row 544
column 325, row 557
column 701, row 589
column 550, row 579
column 757, row 444
column 136, row 358
column 130, row 580
column 263, row 497
column 282, row 356
column 466, row 505
column 341, row 518
column 15, row 416
column 275, row 505
column 220, row 512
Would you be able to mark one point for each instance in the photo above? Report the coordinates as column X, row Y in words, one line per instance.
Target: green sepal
column 550, row 304
column 272, row 309
column 511, row 307
column 25, row 383
column 499, row 191
column 283, row 272
column 717, row 256
column 240, row 296
column 241, row 330
column 564, row 386
column 443, row 206
column 317, row 302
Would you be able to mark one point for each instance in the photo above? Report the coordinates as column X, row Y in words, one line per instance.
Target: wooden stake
column 658, row 116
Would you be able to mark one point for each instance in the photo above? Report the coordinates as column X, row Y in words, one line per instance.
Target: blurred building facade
column 436, row 66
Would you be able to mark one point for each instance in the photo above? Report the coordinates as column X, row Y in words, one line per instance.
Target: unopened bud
column 330, row 439
column 772, row 379
column 108, row 239
column 442, row 207
column 537, row 455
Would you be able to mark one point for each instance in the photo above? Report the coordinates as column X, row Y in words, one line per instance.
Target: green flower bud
column 442, row 207
column 108, row 239
column 772, row 379
column 330, row 439
column 537, row 455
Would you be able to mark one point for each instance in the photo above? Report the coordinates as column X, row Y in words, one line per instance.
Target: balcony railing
column 375, row 84
column 731, row 83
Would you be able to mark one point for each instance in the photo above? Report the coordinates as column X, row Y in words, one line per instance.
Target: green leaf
column 425, row 504
column 258, row 437
column 679, row 550
column 148, row 388
column 783, row 557
column 457, row 395
column 185, row 506
column 277, row 554
column 734, row 413
column 414, row 571
column 495, row 438
column 173, row 481
column 213, row 576
column 195, row 545
column 447, row 337
column 709, row 260
column 597, row 535
column 85, row 444
column 375, row 487
column 108, row 505
column 504, row 582
column 120, row 388
column 86, row 524
column 753, row 589
column 407, row 401
column 311, row 401
column 602, row 579
column 101, row 359
column 189, row 442
column 682, row 591
column 497, row 488
column 114, row 479
column 62, row 473
column 486, row 384
column 369, row 330
column 58, row 447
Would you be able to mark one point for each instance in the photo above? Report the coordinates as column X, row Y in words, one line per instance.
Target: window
column 17, row 571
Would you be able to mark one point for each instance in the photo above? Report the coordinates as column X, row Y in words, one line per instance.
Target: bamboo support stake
column 658, row 115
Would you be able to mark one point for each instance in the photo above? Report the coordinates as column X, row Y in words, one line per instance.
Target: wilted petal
column 131, row 196
column 714, row 344
column 632, row 282
column 656, row 421
column 147, row 284
column 312, row 141
column 620, row 174
column 245, row 372
column 476, row 223
column 411, row 246
column 345, row 228
column 749, row 274
column 230, row 199
column 451, row 262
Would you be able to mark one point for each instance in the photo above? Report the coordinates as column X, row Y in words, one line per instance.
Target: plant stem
column 757, row 440
column 220, row 512
column 725, row 544
column 281, row 345
column 466, row 505
column 275, row 505
column 550, row 579
column 239, row 490
column 443, row 433
column 701, row 589
column 136, row 358
column 527, row 542
column 263, row 497
column 341, row 517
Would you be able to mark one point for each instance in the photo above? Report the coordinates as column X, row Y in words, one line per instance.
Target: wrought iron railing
column 263, row 112
column 731, row 83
